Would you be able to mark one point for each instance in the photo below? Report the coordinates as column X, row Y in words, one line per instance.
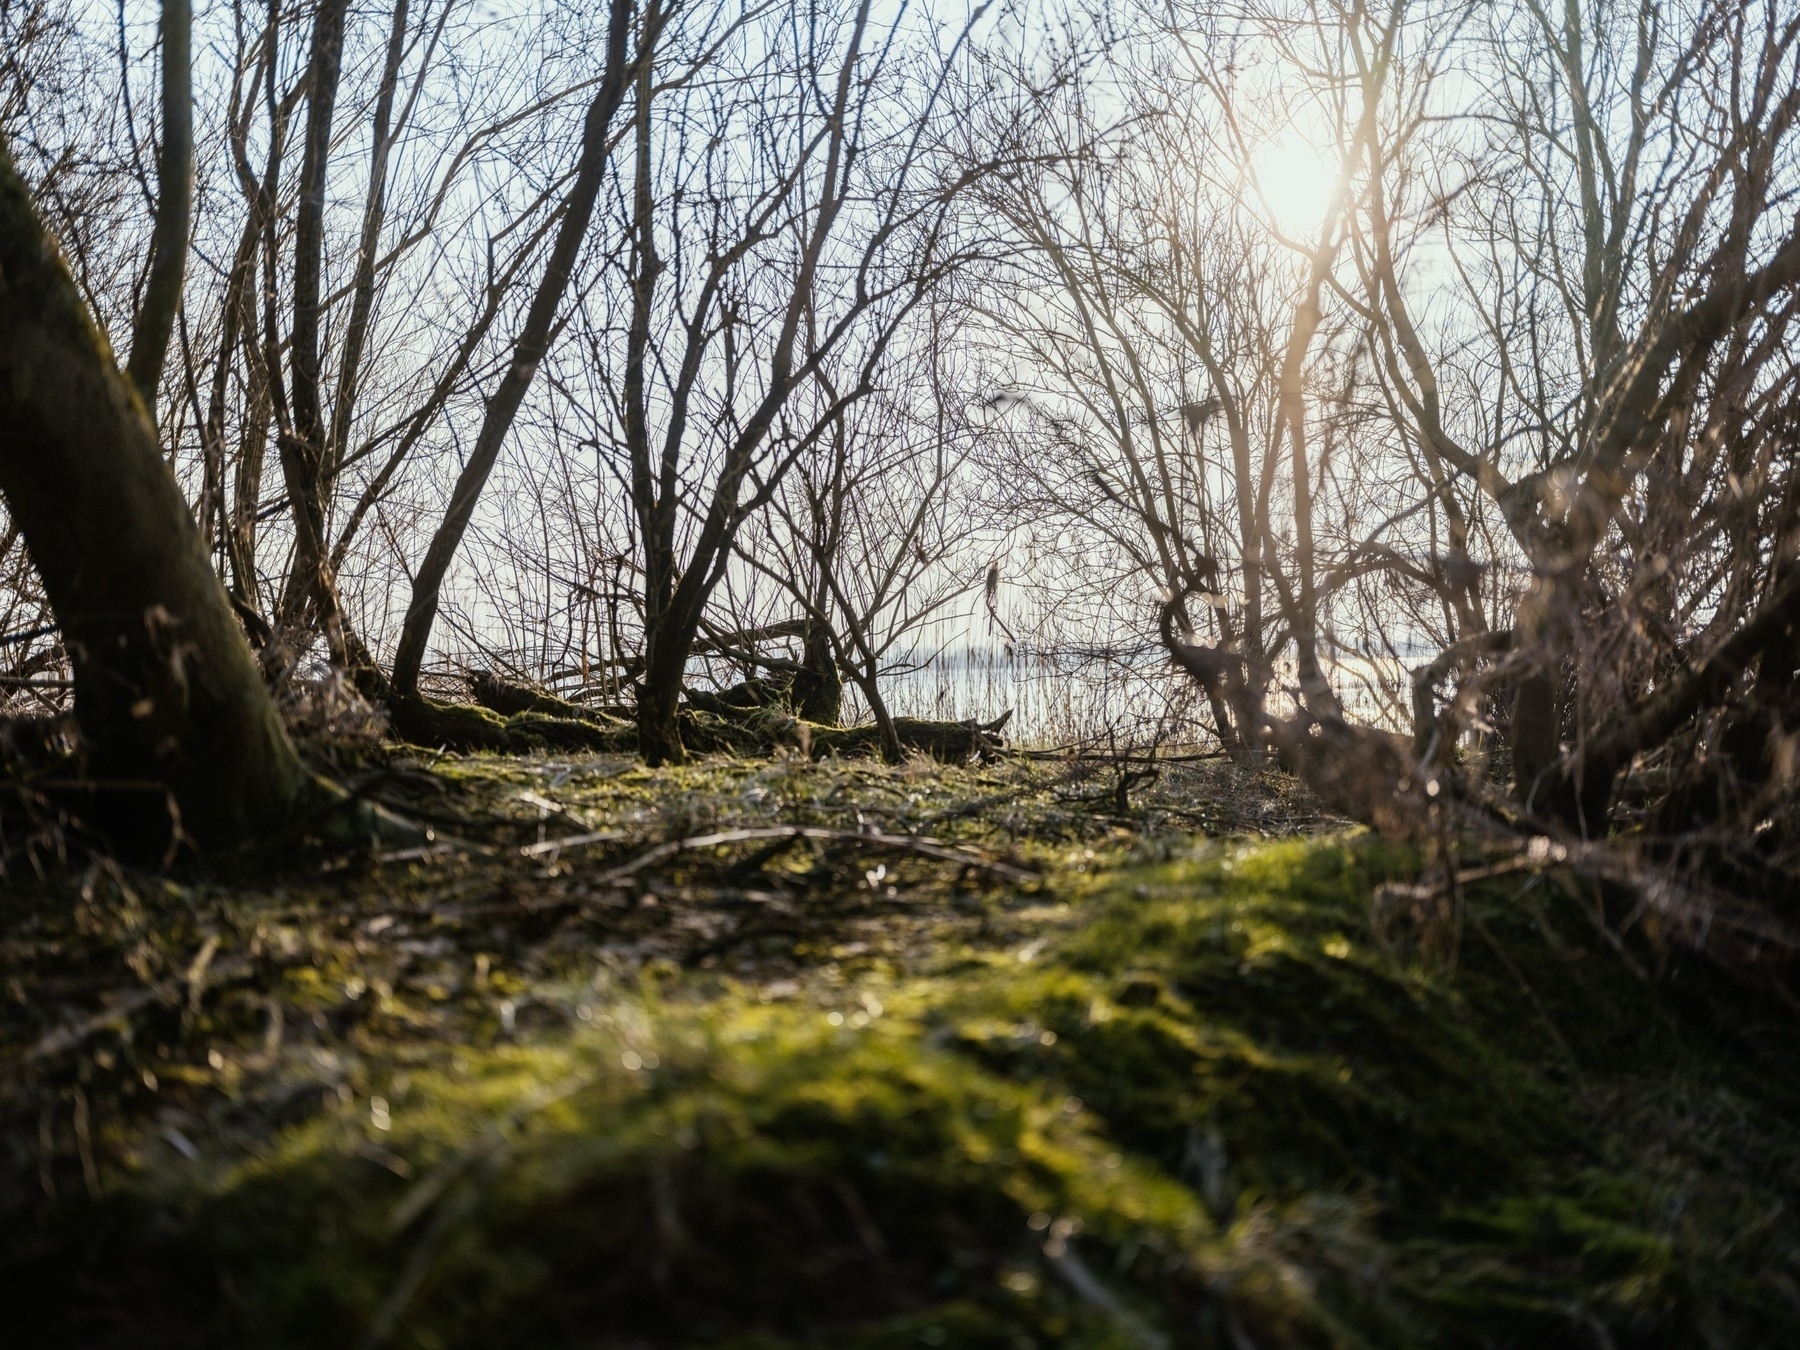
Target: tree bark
column 167, row 694
column 303, row 447
column 362, row 304
column 659, row 699
column 174, row 206
column 818, row 691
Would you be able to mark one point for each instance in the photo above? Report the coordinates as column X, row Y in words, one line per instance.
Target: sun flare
column 1292, row 182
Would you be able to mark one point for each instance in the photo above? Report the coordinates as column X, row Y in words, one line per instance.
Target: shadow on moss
column 1202, row 1107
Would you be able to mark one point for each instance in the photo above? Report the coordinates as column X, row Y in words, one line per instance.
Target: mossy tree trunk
column 659, row 700
column 818, row 691
column 168, row 697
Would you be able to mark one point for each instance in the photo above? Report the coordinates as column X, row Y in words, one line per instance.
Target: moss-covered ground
column 1186, row 1084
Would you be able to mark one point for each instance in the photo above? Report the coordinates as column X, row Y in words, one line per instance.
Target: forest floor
column 769, row 1053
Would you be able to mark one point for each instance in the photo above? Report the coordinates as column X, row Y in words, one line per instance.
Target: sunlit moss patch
column 1175, row 1095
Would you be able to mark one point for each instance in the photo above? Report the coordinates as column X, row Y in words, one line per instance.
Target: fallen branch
column 929, row 848
column 184, row 988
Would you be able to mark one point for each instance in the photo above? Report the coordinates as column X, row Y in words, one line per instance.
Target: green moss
column 1184, row 1102
column 778, row 1171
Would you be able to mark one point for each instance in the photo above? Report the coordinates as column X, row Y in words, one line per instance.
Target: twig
column 981, row 804
column 930, row 848
column 171, row 991
column 1091, row 1291
column 544, row 846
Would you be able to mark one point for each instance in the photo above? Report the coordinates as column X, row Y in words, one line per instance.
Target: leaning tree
column 176, row 724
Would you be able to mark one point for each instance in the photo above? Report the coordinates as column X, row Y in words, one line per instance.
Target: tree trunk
column 213, row 522
column 362, row 304
column 303, row 449
column 1234, row 739
column 1537, row 713
column 659, row 734
column 528, row 353
column 891, row 749
column 167, row 695
column 818, row 691
column 174, row 206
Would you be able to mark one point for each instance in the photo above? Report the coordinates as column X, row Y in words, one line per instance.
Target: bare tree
column 174, row 205
column 533, row 341
column 771, row 262
column 1587, row 400
column 872, row 537
column 166, row 692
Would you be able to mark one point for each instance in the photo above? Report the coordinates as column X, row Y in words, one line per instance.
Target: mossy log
column 758, row 730
column 469, row 726
column 952, row 742
column 763, row 692
column 512, row 718
column 509, row 698
column 517, row 710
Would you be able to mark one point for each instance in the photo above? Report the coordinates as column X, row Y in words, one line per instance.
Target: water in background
column 1057, row 696
column 1100, row 696
column 1091, row 697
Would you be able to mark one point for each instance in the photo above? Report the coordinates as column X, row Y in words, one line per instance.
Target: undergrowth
column 1178, row 1094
